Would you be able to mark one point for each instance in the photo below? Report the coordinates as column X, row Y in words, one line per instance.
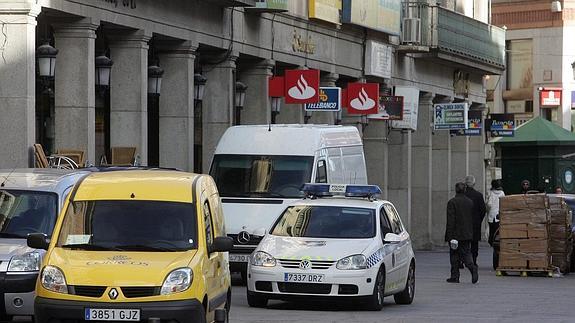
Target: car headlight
column 352, row 263
column 26, row 262
column 53, row 279
column 263, row 259
column 177, row 281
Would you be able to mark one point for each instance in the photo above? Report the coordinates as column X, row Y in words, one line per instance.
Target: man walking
column 478, row 214
column 459, row 232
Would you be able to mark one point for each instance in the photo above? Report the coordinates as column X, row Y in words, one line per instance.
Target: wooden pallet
column 524, row 272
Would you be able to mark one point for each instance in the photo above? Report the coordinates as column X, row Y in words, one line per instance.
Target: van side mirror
column 221, row 244
column 392, row 238
column 38, row 241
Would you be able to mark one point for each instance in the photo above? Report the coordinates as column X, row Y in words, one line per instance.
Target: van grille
column 144, row 291
column 315, row 264
column 304, row 288
column 87, row 291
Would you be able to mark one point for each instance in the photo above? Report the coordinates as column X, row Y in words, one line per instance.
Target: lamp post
column 199, row 89
column 155, row 79
column 46, row 55
column 364, row 121
column 276, row 106
column 154, row 88
column 240, row 98
column 338, row 116
column 103, row 71
column 307, row 115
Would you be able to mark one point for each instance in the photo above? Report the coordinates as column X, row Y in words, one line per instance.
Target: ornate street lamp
column 103, row 70
column 46, row 55
column 199, row 86
column 276, row 106
column 240, row 100
column 155, row 79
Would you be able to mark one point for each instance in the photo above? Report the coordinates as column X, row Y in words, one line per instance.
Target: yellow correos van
column 137, row 245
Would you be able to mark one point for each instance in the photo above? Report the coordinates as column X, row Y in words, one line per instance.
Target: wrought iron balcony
column 434, row 31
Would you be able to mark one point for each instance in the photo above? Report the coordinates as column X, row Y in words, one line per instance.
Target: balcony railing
column 433, row 28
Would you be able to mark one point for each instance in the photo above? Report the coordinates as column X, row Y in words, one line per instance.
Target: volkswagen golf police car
column 339, row 241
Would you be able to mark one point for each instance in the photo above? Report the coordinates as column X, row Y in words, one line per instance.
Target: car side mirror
column 38, row 241
column 221, row 244
column 392, row 238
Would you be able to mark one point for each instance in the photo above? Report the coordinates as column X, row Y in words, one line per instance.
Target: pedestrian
column 492, row 206
column 478, row 214
column 558, row 190
column 459, row 233
column 525, row 186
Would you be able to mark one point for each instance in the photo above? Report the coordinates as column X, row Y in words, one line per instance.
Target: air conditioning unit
column 411, row 31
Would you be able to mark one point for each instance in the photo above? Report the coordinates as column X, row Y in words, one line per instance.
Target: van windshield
column 24, row 212
column 129, row 226
column 261, row 176
column 335, row 222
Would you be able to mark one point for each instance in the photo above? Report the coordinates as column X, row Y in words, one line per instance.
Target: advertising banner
column 272, row 4
column 301, row 86
column 329, row 100
column 326, row 10
column 381, row 15
column 276, row 86
column 550, row 97
column 363, row 98
column 474, row 124
column 501, row 125
column 450, row 116
column 390, row 108
column 410, row 96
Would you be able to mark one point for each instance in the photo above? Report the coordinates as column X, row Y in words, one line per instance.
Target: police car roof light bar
column 362, row 190
column 316, row 190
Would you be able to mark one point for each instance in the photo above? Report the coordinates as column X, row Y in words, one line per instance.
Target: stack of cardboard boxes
column 524, row 232
column 535, row 233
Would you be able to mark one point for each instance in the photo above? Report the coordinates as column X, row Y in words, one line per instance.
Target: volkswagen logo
column 113, row 293
column 305, row 264
column 243, row 237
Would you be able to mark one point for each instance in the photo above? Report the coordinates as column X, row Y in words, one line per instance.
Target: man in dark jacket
column 478, row 214
column 459, row 231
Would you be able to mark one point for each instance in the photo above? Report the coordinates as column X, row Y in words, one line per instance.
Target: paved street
column 493, row 299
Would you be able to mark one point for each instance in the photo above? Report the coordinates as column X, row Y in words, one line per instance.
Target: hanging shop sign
column 329, row 100
column 326, row 10
column 276, row 87
column 572, row 99
column 362, row 98
column 450, row 116
column 272, row 4
column 550, row 97
column 131, row 4
column 410, row 96
column 501, row 125
column 381, row 15
column 390, row 108
column 378, row 59
column 474, row 124
column 301, row 86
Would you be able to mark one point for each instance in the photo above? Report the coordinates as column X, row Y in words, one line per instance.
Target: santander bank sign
column 363, row 98
column 301, row 86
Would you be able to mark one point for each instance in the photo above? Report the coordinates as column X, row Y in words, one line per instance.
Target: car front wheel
column 256, row 300
column 406, row 296
column 375, row 302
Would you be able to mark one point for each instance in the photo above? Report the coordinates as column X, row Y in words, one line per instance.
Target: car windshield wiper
column 89, row 246
column 11, row 235
column 143, row 247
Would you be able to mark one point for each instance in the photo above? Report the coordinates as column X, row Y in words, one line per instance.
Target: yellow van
column 136, row 245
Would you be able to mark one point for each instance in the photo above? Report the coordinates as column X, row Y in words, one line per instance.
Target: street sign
column 329, row 100
column 474, row 124
column 390, row 108
column 301, row 86
column 450, row 116
column 363, row 98
column 502, row 125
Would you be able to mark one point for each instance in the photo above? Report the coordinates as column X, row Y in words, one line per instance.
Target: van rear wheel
column 257, row 300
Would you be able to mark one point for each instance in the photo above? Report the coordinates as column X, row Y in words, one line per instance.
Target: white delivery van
column 259, row 169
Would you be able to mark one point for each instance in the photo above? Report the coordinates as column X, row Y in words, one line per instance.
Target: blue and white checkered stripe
column 375, row 258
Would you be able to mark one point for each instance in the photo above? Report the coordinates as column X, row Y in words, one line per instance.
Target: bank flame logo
column 302, row 90
column 363, row 102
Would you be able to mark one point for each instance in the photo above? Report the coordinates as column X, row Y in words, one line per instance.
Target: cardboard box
column 523, row 216
column 557, row 203
column 511, row 231
column 538, row 264
column 524, row 247
column 559, row 232
column 537, row 230
column 556, row 246
column 559, row 216
column 561, row 260
column 521, row 202
column 509, row 260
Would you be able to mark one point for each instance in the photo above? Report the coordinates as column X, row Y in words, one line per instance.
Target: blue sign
column 329, row 100
column 502, row 125
column 474, row 125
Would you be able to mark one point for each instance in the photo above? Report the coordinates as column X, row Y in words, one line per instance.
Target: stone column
column 257, row 107
column 400, row 174
column 217, row 106
column 177, row 106
column 17, row 82
column 442, row 184
column 459, row 159
column 476, row 154
column 375, row 145
column 421, row 190
column 321, row 117
column 75, row 113
column 129, row 92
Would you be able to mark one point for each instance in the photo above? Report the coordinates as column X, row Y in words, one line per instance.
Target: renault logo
column 113, row 293
column 243, row 237
column 305, row 264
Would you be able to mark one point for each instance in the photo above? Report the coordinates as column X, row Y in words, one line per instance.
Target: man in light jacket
column 492, row 205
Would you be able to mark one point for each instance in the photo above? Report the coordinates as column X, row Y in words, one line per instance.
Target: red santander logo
column 362, row 98
column 301, row 86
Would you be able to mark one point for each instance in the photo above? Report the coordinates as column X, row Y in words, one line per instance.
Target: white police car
column 339, row 241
